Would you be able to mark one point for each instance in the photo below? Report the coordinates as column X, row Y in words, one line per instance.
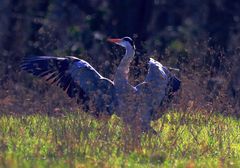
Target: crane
column 101, row 96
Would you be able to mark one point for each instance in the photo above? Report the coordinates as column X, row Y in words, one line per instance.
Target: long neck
column 123, row 68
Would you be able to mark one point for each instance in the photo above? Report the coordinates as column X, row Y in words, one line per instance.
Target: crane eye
column 128, row 39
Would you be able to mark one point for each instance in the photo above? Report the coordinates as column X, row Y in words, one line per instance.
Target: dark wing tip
column 175, row 84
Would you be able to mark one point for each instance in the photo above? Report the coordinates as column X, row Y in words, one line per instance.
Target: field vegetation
column 77, row 140
column 41, row 127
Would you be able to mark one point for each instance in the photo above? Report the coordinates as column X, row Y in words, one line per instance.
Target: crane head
column 124, row 42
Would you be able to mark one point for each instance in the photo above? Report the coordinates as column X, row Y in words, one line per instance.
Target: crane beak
column 114, row 40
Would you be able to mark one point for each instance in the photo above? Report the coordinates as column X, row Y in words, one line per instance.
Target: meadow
column 78, row 140
column 41, row 127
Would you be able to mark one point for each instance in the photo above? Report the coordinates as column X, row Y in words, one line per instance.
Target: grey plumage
column 77, row 77
column 100, row 95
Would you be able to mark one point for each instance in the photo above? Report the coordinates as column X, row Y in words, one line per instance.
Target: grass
column 77, row 140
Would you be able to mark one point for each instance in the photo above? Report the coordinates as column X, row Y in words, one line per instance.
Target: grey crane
column 101, row 96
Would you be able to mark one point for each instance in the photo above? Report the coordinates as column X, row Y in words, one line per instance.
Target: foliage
column 198, row 37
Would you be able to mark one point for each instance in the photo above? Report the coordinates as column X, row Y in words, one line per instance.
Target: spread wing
column 159, row 85
column 78, row 78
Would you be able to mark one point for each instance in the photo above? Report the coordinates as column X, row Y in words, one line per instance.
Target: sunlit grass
column 77, row 140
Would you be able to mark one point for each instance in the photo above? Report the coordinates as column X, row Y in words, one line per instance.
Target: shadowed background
column 201, row 38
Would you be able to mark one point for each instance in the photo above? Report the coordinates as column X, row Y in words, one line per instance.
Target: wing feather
column 158, row 86
column 75, row 76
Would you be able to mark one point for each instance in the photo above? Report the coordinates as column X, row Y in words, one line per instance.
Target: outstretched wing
column 77, row 77
column 159, row 85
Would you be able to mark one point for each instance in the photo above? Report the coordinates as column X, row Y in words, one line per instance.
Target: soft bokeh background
column 200, row 37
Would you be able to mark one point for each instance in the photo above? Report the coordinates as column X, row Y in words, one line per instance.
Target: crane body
column 100, row 95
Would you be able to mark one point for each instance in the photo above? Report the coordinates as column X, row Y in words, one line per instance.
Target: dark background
column 200, row 37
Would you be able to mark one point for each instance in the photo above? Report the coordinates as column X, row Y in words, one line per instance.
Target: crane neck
column 123, row 68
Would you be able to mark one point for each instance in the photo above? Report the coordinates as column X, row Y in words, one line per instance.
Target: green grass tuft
column 77, row 140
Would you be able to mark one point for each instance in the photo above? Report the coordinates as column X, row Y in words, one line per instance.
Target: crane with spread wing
column 103, row 96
